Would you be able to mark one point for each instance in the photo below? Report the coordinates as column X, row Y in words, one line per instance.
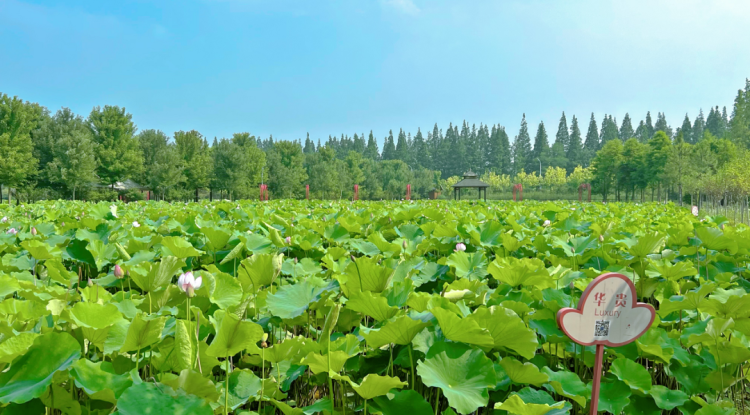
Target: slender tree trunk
column 680, row 194
column 74, row 193
column 196, row 195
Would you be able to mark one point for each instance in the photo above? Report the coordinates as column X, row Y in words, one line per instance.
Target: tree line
column 64, row 155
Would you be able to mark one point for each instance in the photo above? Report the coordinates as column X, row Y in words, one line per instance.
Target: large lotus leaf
column 633, row 374
column 714, row 239
column 217, row 237
column 646, row 245
column 94, row 315
column 99, row 380
column 233, row 336
column 673, row 272
column 143, row 332
column 103, row 253
column 319, row 363
column 227, row 291
column 290, row 301
column 521, row 272
column 182, row 354
column 468, row 265
column 733, row 308
column 159, row 274
column 285, row 350
column 8, row 285
column 16, row 346
column 194, row 383
column 714, row 409
column 374, row 385
column 179, row 247
column 403, row 402
column 243, row 385
column 515, row 405
column 256, row 243
column 463, row 374
column 568, row 384
column 148, row 398
column 57, row 271
column 39, row 250
column 666, row 398
column 259, row 270
column 31, row 374
column 400, row 330
column 464, row 330
column 365, row 274
column 576, row 246
column 507, row 330
column 614, row 396
column 373, row 305
column 523, row 373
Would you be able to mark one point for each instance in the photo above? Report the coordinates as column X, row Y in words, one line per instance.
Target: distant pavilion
column 470, row 181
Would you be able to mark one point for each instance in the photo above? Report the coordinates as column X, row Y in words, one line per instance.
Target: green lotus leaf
column 714, row 409
column 233, row 336
column 243, row 385
column 471, row 265
column 159, row 274
column 568, row 384
column 515, row 405
column 30, row 375
column 403, row 402
column 283, row 351
column 194, row 383
column 374, row 385
column 523, row 373
column 99, row 380
column 94, row 315
column 259, row 270
column 464, row 330
column 56, row 397
column 614, row 396
column 365, row 274
column 633, row 374
column 257, row 244
column 507, row 330
column 179, row 247
column 372, row 305
column 666, row 398
column 319, row 363
column 400, row 330
column 227, row 291
column 714, row 239
column 38, row 249
column 147, row 398
column 8, row 285
column 217, row 237
column 16, row 346
column 521, row 272
column 463, row 374
column 143, row 332
column 291, row 301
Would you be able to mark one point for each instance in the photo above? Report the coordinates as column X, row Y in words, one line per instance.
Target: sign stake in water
column 608, row 314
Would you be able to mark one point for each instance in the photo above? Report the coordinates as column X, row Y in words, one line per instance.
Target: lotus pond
column 420, row 308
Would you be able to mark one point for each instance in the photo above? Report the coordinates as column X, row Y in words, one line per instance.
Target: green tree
column 557, row 157
column 563, row 137
column 606, row 166
column 286, row 169
column 686, row 129
column 193, row 149
column 540, row 154
column 608, row 131
column 419, row 150
column 254, row 168
column 575, row 148
column 633, row 174
column 660, row 146
column 166, row 172
column 661, row 125
column 679, row 168
column 389, row 147
column 118, row 153
column 323, row 172
column 649, row 126
column 230, row 160
column 739, row 128
column 402, row 147
column 371, row 151
column 73, row 163
column 310, row 145
column 17, row 120
column 626, row 129
column 591, row 145
column 522, row 147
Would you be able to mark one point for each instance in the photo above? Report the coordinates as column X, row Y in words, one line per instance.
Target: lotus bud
column 118, row 272
column 33, row 231
column 62, row 224
column 601, row 238
column 352, row 257
column 546, row 223
column 295, row 261
column 91, row 283
column 403, row 245
column 288, row 240
column 460, row 247
column 188, row 283
column 12, row 231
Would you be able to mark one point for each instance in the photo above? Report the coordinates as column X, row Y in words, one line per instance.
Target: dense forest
column 64, row 155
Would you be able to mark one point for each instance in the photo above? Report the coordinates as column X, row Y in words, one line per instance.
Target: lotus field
column 417, row 308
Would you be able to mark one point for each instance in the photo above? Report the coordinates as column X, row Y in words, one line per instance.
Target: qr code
column 602, row 328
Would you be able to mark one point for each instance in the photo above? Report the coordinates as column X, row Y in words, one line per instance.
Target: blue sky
column 331, row 67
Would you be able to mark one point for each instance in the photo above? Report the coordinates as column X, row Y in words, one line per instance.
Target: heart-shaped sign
column 607, row 313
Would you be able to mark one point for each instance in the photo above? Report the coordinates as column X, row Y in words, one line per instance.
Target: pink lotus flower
column 288, row 240
column 4, row 219
column 12, row 231
column 694, row 210
column 460, row 247
column 118, row 272
column 188, row 283
column 33, row 231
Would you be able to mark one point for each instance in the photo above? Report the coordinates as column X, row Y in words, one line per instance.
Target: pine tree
column 641, row 133
column 626, row 129
column 522, row 147
column 389, row 147
column 649, row 126
column 591, row 145
column 504, row 154
column 371, row 151
column 698, row 126
column 419, row 151
column 609, row 130
column 562, row 136
column 575, row 148
column 433, row 148
column 739, row 127
column 309, row 145
column 540, row 154
column 661, row 125
column 686, row 129
column 402, row 147
column 482, row 144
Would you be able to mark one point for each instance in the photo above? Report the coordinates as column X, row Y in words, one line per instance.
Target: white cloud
column 402, row 6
